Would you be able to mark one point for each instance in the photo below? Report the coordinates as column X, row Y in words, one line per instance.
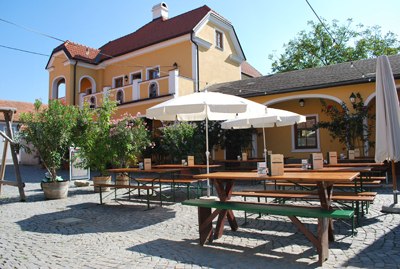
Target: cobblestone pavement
column 79, row 233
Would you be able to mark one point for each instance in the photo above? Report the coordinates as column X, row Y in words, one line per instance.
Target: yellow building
column 301, row 91
column 166, row 57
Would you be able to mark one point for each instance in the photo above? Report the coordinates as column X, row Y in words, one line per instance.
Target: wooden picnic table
column 224, row 183
column 329, row 169
column 180, row 166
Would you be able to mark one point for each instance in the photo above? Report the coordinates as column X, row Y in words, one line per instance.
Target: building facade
column 166, row 58
column 301, row 91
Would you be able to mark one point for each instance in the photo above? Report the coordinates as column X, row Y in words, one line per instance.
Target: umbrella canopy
column 199, row 106
column 206, row 106
column 387, row 145
column 272, row 117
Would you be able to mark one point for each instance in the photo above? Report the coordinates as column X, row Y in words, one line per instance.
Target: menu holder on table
column 190, row 160
column 317, row 161
column 147, row 164
column 357, row 153
column 332, row 157
column 261, row 168
column 244, row 156
column 350, row 154
column 275, row 165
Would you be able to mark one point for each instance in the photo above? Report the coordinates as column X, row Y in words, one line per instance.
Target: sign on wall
column 76, row 172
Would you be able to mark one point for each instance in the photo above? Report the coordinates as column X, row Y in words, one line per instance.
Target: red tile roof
column 152, row 33
column 20, row 106
column 249, row 70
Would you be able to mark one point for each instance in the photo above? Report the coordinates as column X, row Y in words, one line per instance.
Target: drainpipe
column 73, row 99
column 197, row 63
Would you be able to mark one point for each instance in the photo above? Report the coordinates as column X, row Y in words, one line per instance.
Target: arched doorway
column 59, row 88
column 87, row 86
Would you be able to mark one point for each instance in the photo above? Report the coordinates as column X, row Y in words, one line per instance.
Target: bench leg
column 101, row 196
column 323, row 238
column 205, row 226
column 148, row 199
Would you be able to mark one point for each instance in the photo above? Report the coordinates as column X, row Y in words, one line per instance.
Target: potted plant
column 95, row 141
column 48, row 131
column 129, row 138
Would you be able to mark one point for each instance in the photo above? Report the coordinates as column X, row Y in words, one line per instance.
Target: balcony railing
column 143, row 90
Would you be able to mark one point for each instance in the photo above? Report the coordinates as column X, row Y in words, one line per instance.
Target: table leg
column 325, row 192
column 224, row 194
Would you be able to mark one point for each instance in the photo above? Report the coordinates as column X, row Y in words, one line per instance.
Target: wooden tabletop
column 137, row 170
column 240, row 161
column 180, row 166
column 329, row 169
column 292, row 176
column 296, row 165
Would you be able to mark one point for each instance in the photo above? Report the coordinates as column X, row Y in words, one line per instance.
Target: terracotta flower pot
column 56, row 189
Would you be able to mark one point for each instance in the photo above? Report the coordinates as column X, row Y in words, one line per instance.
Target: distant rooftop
column 361, row 71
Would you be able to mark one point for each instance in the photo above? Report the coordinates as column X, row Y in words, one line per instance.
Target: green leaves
column 317, row 47
column 49, row 130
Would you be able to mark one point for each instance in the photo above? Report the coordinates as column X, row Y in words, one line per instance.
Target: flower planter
column 55, row 190
column 101, row 180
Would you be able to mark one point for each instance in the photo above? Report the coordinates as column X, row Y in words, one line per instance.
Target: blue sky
column 262, row 27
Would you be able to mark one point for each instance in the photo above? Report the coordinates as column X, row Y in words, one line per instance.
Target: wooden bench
column 173, row 182
column 366, row 184
column 134, row 187
column 205, row 217
column 341, row 197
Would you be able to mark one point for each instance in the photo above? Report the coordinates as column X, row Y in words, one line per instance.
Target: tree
column 348, row 127
column 338, row 44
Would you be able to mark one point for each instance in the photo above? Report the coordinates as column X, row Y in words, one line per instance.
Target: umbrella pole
column 207, row 160
column 265, row 148
column 394, row 179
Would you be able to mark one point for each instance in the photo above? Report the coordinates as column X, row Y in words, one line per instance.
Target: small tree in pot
column 129, row 138
column 94, row 139
column 49, row 131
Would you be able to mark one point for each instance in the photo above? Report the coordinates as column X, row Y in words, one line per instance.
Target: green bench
column 206, row 217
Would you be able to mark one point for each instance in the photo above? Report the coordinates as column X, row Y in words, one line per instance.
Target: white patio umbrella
column 272, row 117
column 387, row 146
column 201, row 106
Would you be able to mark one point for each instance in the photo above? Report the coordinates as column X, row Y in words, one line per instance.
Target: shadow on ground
column 94, row 218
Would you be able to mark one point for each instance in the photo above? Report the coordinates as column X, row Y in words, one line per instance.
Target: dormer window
column 153, row 73
column 219, row 39
column 118, row 82
column 153, row 90
column 120, row 97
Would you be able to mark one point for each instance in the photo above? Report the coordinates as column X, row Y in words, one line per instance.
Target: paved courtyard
column 77, row 232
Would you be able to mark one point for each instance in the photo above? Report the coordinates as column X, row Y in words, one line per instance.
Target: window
column 137, row 75
column 92, row 102
column 118, row 82
column 153, row 90
column 153, row 73
column 120, row 97
column 219, row 39
column 305, row 135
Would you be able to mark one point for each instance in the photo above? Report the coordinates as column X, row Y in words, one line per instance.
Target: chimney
column 160, row 10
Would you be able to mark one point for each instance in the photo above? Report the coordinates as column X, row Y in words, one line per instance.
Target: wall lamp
column 352, row 98
column 175, row 65
column 301, row 102
column 126, row 78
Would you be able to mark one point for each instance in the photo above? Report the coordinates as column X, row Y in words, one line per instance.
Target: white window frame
column 133, row 73
column 216, row 39
column 317, row 149
column 152, row 68
column 113, row 81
